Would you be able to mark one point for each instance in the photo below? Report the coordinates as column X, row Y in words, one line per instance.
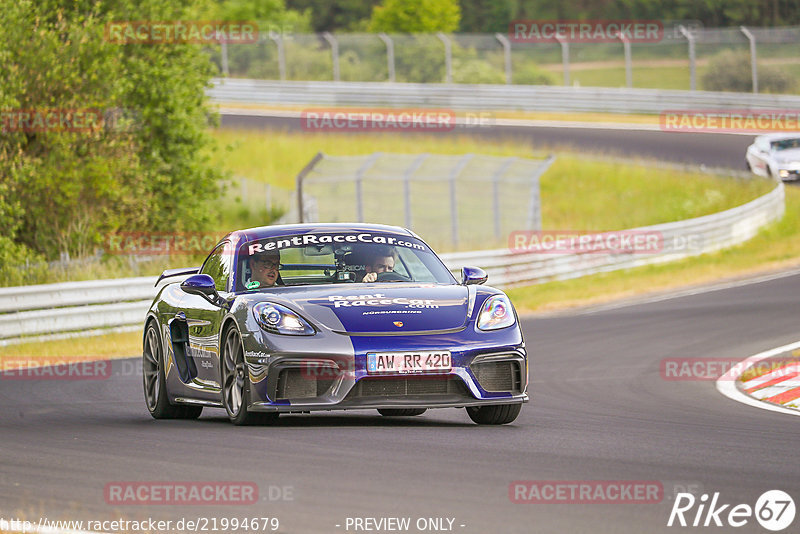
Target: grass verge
column 107, row 346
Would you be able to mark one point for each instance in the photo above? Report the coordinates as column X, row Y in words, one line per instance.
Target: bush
column 530, row 74
column 147, row 171
column 731, row 71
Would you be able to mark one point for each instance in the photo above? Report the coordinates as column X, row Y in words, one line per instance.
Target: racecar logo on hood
column 419, row 307
column 380, row 299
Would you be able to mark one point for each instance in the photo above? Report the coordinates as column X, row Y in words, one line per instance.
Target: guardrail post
column 454, row 196
column 389, row 54
column 407, row 186
column 626, row 45
column 328, row 36
column 278, row 39
column 753, row 57
column 535, row 208
column 564, row 57
column 448, row 56
column 692, row 59
column 506, row 55
column 300, row 177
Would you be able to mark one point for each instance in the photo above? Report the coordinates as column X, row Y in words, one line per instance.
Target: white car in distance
column 775, row 156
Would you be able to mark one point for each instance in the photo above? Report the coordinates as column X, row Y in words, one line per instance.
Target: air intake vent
column 294, row 383
column 402, row 386
column 498, row 376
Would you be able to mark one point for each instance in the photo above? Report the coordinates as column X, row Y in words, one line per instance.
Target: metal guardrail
column 709, row 233
column 488, row 97
column 76, row 306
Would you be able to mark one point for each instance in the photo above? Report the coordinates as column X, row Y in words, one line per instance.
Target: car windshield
column 336, row 258
column 784, row 144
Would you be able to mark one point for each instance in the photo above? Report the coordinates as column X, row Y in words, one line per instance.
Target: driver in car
column 264, row 269
column 382, row 260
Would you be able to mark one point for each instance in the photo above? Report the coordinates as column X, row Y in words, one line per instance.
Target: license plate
column 408, row 362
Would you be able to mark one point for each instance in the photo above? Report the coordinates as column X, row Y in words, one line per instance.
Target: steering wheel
column 391, row 276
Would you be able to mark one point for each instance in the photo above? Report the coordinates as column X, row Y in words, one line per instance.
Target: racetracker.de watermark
column 586, row 31
column 54, row 369
column 181, row 32
column 160, row 243
column 33, row 120
column 586, row 491
column 384, row 120
column 703, row 369
column 614, row 242
column 181, row 493
column 704, row 120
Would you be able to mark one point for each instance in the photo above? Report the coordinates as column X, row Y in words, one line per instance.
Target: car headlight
column 278, row 319
column 496, row 312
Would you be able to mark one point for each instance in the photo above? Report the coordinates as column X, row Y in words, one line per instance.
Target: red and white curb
column 777, row 391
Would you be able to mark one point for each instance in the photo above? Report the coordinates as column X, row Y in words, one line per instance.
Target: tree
column 416, row 16
column 142, row 167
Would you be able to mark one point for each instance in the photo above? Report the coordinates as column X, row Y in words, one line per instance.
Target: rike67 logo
column 774, row 510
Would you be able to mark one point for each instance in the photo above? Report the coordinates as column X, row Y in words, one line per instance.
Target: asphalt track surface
column 600, row 411
column 712, row 150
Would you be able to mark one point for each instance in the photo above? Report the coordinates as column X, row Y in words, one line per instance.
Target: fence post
column 454, row 197
column 448, row 56
column 753, row 65
column 564, row 57
column 224, row 58
column 692, row 71
column 535, row 209
column 389, row 54
column 407, row 186
column 506, row 55
column 300, row 177
column 328, row 36
column 359, row 179
column 278, row 39
column 496, row 193
column 626, row 44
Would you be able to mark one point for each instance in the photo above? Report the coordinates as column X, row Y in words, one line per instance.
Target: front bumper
column 303, row 381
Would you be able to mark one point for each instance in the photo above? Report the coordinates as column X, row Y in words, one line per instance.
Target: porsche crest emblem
column 398, row 324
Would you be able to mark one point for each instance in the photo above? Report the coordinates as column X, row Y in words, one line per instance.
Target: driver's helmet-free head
column 381, row 258
column 264, row 269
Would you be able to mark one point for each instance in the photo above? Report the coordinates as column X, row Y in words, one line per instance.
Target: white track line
column 726, row 384
column 680, row 293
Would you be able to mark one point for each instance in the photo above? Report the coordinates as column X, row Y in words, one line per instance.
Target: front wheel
column 401, row 412
column 236, row 383
column 499, row 414
column 154, row 381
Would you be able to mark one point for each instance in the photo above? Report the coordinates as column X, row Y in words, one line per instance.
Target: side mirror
column 473, row 275
column 203, row 285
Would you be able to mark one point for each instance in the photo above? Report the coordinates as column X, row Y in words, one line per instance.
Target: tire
column 236, row 383
column 401, row 412
column 154, row 381
column 769, row 172
column 499, row 414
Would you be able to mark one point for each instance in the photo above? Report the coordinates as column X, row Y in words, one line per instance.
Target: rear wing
column 169, row 273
